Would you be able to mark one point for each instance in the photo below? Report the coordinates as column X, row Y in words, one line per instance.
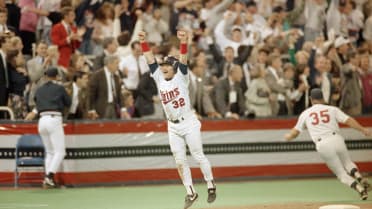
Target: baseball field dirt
column 292, row 206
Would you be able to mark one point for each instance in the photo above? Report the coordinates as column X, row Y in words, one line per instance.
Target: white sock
column 359, row 188
column 190, row 189
column 210, row 184
column 358, row 176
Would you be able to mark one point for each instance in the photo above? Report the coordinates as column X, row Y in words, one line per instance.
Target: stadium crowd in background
column 247, row 58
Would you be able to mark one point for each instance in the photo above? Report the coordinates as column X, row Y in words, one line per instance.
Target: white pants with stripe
column 333, row 151
column 187, row 132
column 53, row 136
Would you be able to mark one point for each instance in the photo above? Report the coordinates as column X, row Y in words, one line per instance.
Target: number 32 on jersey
column 178, row 103
column 321, row 116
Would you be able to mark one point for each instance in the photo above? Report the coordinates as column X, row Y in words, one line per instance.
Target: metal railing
column 9, row 110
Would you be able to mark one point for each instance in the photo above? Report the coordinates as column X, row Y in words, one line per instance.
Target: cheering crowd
column 247, row 58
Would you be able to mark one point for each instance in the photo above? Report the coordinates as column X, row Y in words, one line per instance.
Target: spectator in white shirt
column 257, row 18
column 125, row 39
column 355, row 22
column 337, row 16
column 234, row 39
column 132, row 67
column 315, row 18
column 213, row 11
column 155, row 27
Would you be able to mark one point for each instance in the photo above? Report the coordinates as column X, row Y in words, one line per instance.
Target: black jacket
column 144, row 104
column 18, row 81
column 51, row 97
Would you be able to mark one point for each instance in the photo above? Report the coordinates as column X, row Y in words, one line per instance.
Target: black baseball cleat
column 363, row 195
column 211, row 195
column 48, row 183
column 190, row 199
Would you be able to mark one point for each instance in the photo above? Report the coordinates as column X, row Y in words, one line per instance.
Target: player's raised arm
column 341, row 117
column 351, row 122
column 182, row 36
column 146, row 48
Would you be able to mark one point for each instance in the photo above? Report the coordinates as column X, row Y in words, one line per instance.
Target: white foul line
column 21, row 205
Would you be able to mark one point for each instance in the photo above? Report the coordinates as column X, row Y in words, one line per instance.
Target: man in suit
column 320, row 77
column 4, row 73
column 351, row 92
column 199, row 96
column 244, row 53
column 104, row 88
column 275, row 81
column 223, row 63
column 3, row 20
column 110, row 46
column 228, row 96
column 66, row 36
column 36, row 68
column 77, row 90
column 147, row 103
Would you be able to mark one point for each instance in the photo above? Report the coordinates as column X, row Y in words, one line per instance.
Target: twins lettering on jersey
column 168, row 96
column 171, row 96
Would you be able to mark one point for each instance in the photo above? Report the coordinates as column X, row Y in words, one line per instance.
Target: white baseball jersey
column 174, row 94
column 321, row 120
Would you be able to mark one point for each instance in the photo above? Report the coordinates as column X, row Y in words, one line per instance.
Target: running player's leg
column 328, row 153
column 348, row 164
column 346, row 161
column 44, row 134
column 178, row 148
column 57, row 138
column 193, row 139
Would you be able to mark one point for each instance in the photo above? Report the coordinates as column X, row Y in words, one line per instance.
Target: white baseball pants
column 52, row 134
column 333, row 151
column 187, row 132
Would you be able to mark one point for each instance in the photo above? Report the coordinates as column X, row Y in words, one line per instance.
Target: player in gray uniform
column 322, row 123
column 172, row 80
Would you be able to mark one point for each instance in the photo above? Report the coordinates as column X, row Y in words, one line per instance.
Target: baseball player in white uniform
column 172, row 80
column 322, row 123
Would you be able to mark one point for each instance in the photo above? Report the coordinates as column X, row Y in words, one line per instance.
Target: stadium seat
column 29, row 155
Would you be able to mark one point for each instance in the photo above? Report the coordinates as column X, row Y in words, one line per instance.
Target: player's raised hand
column 182, row 36
column 142, row 36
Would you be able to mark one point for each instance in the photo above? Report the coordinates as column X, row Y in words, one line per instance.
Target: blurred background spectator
column 247, row 57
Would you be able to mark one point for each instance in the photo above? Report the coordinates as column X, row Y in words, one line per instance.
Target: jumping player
column 322, row 123
column 172, row 79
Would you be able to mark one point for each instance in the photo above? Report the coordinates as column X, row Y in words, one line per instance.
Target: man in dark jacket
column 228, row 96
column 51, row 99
